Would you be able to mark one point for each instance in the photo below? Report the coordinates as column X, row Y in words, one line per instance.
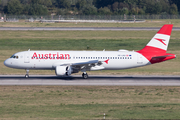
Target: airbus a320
column 66, row 63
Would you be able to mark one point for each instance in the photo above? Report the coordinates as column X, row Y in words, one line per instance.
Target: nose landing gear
column 27, row 73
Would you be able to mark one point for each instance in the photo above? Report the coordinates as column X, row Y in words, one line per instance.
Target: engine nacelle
column 63, row 70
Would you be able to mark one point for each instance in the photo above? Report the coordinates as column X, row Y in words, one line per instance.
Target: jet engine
column 63, row 70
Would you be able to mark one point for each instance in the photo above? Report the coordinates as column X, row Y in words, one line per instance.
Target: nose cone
column 7, row 63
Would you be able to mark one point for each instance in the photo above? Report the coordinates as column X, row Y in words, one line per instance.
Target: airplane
column 66, row 63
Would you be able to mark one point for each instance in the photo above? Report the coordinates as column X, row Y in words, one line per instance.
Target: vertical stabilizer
column 155, row 50
column 159, row 43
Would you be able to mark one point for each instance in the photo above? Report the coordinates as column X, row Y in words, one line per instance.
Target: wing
column 82, row 65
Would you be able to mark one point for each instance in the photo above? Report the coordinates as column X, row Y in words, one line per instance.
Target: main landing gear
column 85, row 75
column 27, row 74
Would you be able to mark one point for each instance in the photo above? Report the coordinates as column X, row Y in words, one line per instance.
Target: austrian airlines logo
column 161, row 40
column 106, row 61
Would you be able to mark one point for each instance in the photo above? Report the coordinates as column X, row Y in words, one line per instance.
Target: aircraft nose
column 7, row 62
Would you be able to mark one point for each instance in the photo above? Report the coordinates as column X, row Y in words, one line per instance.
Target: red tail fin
column 158, row 45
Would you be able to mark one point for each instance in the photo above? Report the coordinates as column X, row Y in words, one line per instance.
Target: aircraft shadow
column 73, row 78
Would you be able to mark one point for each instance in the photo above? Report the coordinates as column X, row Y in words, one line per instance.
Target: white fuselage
column 51, row 59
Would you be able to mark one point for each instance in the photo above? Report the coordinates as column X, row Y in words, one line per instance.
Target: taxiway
column 84, row 28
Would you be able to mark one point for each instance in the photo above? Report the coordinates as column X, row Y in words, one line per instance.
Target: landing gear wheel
column 85, row 75
column 26, row 76
column 27, row 73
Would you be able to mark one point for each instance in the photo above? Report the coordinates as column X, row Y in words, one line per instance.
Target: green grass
column 148, row 23
column 70, row 44
column 80, row 40
column 15, row 41
column 115, row 111
column 78, row 102
column 80, row 44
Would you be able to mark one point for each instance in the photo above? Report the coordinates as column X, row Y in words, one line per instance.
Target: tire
column 26, row 76
column 85, row 76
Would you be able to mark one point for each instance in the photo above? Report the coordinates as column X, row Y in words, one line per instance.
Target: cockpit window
column 14, row 56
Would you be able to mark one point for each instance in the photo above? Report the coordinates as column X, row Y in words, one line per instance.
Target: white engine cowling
column 63, row 70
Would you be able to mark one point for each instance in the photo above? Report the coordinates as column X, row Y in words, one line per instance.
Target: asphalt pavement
column 93, row 80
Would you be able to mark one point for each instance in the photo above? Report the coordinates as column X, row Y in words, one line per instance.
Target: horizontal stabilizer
column 161, row 56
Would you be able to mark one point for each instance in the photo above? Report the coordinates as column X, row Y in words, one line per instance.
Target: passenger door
column 26, row 57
